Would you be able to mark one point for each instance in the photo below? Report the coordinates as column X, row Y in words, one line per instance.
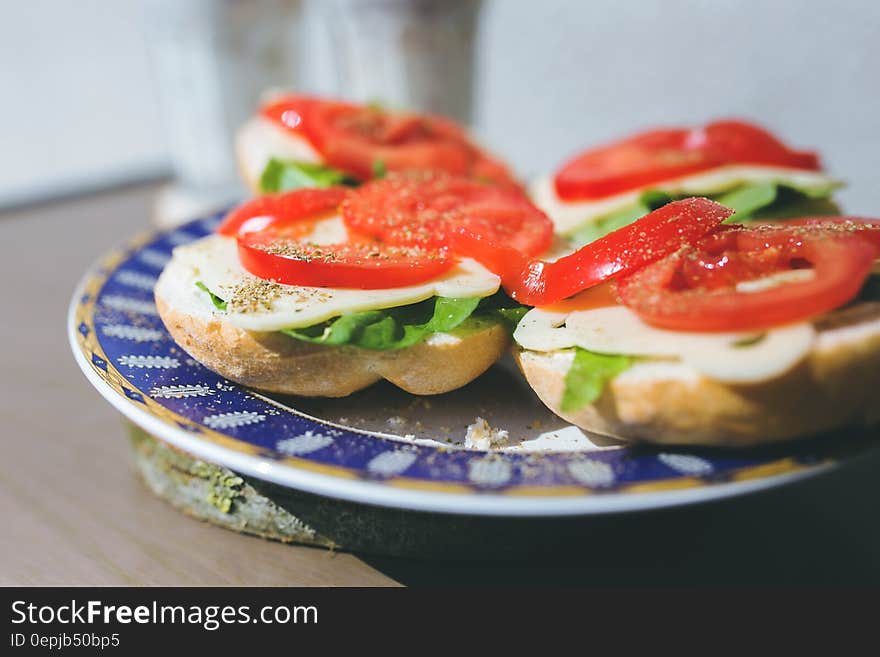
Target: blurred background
column 102, row 92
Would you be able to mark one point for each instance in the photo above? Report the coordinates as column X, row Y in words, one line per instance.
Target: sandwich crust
column 278, row 363
column 836, row 385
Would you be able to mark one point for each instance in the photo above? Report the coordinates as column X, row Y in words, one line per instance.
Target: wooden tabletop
column 75, row 514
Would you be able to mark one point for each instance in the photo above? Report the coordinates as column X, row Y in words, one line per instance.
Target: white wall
column 79, row 105
column 574, row 72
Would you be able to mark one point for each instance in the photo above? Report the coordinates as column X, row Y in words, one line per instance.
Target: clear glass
column 417, row 54
column 213, row 59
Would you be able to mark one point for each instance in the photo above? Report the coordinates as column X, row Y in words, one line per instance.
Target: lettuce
column 752, row 202
column 770, row 200
column 588, row 375
column 379, row 169
column 748, row 199
column 791, row 204
column 219, row 303
column 649, row 201
column 287, row 175
column 404, row 326
column 390, row 328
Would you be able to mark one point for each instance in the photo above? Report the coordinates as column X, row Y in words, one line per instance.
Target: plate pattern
column 119, row 336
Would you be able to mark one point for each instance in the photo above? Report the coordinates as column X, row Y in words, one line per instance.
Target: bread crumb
column 480, row 435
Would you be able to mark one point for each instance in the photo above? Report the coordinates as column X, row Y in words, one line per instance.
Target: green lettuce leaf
column 649, row 201
column 751, row 201
column 501, row 308
column 791, row 204
column 379, row 169
column 219, row 303
column 391, row 328
column 588, row 376
column 510, row 317
column 287, row 175
column 748, row 199
column 404, row 326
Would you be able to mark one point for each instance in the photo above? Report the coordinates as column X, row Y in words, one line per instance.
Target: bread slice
column 279, row 363
column 667, row 402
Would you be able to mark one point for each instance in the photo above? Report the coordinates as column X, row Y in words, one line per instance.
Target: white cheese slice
column 568, row 216
column 743, row 357
column 259, row 140
column 257, row 305
column 328, row 231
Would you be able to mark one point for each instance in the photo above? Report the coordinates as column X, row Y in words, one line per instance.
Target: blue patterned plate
column 382, row 446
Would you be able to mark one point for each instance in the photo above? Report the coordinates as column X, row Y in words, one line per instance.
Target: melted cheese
column 214, row 261
column 259, row 140
column 568, row 216
column 746, row 357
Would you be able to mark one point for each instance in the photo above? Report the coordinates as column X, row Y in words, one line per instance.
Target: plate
column 382, row 446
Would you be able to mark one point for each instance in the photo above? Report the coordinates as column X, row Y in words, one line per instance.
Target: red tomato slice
column 270, row 232
column 630, row 164
column 289, row 207
column 745, row 143
column 867, row 229
column 355, row 265
column 696, row 289
column 430, row 209
column 291, row 112
column 355, row 138
column 660, row 155
column 654, row 236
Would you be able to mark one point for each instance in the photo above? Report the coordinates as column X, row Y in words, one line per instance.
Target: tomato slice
column 711, row 286
column 272, row 236
column 431, row 209
column 654, row 236
column 745, row 143
column 630, row 164
column 867, row 229
column 357, row 138
column 290, row 207
column 660, row 155
column 355, row 265
column 291, row 112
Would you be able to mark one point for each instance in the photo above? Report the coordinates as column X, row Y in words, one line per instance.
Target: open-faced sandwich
column 679, row 328
column 738, row 164
column 320, row 288
column 403, row 252
column 302, row 141
column 322, row 292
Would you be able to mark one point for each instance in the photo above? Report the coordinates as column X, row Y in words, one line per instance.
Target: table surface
column 75, row 514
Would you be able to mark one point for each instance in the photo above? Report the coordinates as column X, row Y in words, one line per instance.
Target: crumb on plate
column 481, row 435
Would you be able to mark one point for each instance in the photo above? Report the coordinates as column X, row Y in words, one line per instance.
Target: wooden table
column 73, row 512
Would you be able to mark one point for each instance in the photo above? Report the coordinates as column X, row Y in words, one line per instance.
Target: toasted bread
column 276, row 362
column 667, row 402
